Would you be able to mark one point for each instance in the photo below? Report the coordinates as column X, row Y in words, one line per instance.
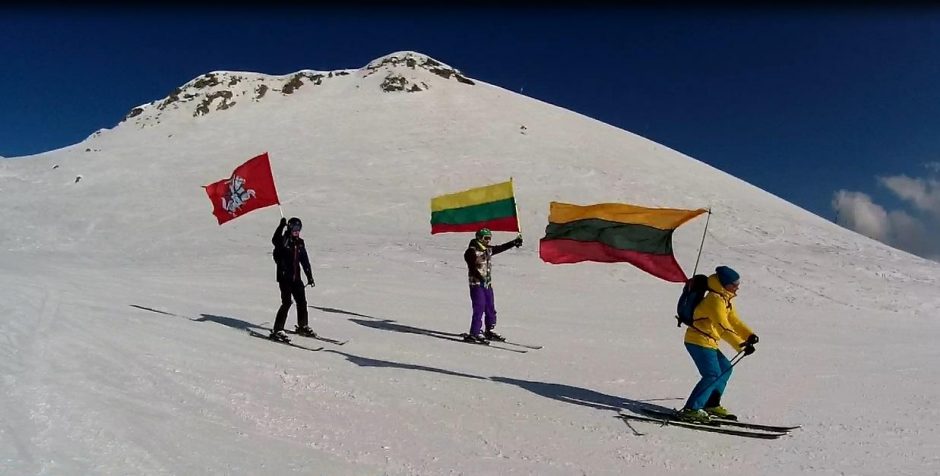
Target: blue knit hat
column 727, row 275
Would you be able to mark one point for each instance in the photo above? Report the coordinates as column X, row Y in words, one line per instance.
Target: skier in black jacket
column 290, row 256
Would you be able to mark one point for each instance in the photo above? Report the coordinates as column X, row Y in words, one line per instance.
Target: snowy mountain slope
column 127, row 304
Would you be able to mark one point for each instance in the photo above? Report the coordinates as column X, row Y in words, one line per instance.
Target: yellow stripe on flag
column 474, row 196
column 661, row 218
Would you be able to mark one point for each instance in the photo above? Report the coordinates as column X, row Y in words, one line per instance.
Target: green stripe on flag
column 640, row 238
column 476, row 213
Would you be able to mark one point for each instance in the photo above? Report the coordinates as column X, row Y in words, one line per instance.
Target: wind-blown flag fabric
column 615, row 232
column 493, row 207
column 250, row 187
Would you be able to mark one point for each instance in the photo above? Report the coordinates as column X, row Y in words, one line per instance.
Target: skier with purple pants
column 477, row 257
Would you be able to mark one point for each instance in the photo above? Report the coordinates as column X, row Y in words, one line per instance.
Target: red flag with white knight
column 250, row 187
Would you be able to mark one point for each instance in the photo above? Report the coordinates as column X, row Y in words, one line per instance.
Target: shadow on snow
column 555, row 391
column 340, row 311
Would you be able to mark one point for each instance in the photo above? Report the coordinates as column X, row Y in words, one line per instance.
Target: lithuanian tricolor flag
column 615, row 232
column 493, row 207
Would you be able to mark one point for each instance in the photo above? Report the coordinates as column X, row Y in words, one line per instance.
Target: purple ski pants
column 483, row 303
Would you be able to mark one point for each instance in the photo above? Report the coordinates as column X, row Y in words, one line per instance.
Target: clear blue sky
column 801, row 102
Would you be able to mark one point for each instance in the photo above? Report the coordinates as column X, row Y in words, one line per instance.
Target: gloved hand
column 748, row 348
column 311, row 282
column 517, row 241
column 283, row 221
column 487, row 283
column 752, row 339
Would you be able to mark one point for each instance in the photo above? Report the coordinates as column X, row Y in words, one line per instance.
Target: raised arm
column 278, row 238
column 517, row 242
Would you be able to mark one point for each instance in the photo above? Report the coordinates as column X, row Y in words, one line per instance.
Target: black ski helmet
column 294, row 222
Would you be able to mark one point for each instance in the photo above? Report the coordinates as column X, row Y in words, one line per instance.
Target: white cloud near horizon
column 922, row 193
column 856, row 211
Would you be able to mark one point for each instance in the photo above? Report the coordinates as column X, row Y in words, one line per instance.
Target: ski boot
column 304, row 331
column 475, row 339
column 690, row 415
column 721, row 412
column 279, row 336
column 490, row 335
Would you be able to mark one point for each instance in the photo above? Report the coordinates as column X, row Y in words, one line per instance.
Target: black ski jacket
column 290, row 254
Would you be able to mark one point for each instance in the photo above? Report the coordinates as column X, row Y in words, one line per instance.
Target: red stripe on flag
column 499, row 224
column 570, row 251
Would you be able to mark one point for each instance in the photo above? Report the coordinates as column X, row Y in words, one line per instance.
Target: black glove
column 748, row 348
column 311, row 282
column 518, row 241
column 283, row 221
column 752, row 339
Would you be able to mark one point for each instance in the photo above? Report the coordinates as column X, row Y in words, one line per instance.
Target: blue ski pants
column 715, row 370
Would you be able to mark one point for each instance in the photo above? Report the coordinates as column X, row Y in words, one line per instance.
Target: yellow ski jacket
column 715, row 318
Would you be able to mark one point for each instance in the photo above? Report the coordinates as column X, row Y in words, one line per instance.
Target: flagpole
column 275, row 185
column 518, row 223
column 702, row 245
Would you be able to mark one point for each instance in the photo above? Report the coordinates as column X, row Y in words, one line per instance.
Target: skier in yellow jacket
column 715, row 319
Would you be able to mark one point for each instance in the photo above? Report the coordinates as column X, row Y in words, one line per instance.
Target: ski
column 268, row 338
column 703, row 427
column 320, row 338
column 527, row 346
column 725, row 422
column 758, row 426
column 330, row 341
column 489, row 344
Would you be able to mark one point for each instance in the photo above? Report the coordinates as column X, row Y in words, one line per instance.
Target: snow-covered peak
column 412, row 58
column 223, row 90
column 395, row 64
